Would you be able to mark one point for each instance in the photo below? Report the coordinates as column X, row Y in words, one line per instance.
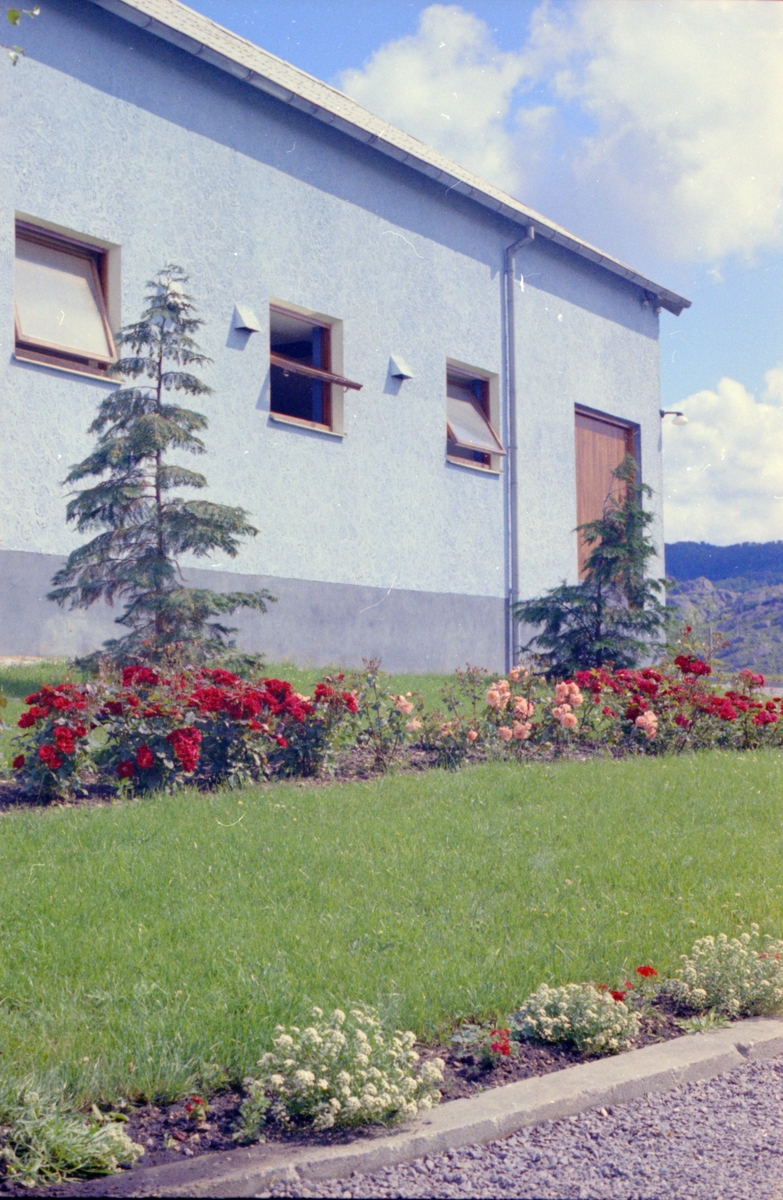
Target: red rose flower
column 50, row 757
column 689, row 665
column 140, row 676
column 26, row 721
column 224, row 678
column 18, row 762
column 125, row 769
column 185, row 743
column 63, row 737
column 144, row 758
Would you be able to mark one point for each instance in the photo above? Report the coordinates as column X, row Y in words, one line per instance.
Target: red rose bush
column 54, row 750
column 153, row 731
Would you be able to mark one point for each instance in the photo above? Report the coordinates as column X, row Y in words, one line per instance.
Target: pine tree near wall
column 145, row 529
column 614, row 616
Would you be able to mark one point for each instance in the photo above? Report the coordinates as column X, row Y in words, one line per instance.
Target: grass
column 147, row 944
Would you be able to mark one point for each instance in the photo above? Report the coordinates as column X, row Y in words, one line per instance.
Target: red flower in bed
column 500, row 1043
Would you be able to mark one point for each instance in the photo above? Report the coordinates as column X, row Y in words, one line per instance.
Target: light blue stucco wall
column 110, row 132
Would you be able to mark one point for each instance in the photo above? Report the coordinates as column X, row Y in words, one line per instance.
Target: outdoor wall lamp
column 245, row 319
column 398, row 368
column 679, row 418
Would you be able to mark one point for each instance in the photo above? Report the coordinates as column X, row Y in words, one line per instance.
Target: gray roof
column 176, row 23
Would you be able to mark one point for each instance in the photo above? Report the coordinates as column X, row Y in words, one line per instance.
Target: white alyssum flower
column 344, row 1070
column 578, row 1013
column 740, row 976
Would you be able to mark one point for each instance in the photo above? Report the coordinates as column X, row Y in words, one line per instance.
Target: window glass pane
column 293, row 337
column 459, row 390
column 467, row 424
column 297, row 395
column 56, row 299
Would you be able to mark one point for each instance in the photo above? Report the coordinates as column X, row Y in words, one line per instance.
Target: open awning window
column 59, row 300
column 467, row 423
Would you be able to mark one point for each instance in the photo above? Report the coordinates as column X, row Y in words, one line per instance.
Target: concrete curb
column 479, row 1119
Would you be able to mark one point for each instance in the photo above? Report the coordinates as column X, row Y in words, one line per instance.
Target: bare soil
column 356, row 765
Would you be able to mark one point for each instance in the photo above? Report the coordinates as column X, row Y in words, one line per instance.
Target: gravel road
column 720, row 1140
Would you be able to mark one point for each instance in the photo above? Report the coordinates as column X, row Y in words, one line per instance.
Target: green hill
column 755, row 563
column 736, row 591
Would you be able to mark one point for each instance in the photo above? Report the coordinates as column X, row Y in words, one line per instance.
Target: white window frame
column 468, row 373
column 51, row 354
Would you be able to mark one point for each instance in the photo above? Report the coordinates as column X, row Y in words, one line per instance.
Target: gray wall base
column 312, row 623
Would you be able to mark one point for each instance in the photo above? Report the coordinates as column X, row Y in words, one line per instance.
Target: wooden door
column 601, row 445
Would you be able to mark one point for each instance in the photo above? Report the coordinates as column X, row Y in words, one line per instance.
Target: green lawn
column 143, row 940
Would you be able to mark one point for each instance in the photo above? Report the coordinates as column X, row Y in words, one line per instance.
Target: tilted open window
column 301, row 375
column 601, row 445
column 60, row 314
column 470, row 437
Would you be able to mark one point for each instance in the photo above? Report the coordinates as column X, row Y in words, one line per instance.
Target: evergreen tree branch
column 143, row 529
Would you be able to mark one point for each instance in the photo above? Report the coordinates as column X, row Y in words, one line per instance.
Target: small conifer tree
column 614, row 616
column 144, row 528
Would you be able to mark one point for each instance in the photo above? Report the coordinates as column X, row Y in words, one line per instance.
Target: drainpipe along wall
column 511, row 406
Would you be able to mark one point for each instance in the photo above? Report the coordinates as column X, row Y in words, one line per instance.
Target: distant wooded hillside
column 737, row 592
column 759, row 563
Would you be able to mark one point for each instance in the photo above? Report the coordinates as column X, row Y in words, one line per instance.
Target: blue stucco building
column 420, row 385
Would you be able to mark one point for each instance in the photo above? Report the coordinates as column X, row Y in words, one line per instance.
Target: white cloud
column 773, row 386
column 723, row 471
column 450, row 86
column 682, row 98
column 687, row 98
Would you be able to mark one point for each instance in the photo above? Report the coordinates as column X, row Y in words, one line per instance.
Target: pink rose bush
column 674, row 707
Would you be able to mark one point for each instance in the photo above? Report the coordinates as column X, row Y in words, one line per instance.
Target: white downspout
column 511, row 400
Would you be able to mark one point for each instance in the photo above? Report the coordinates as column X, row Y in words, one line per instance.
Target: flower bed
column 153, row 731
column 348, row 1071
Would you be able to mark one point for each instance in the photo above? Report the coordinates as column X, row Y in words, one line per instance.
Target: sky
column 651, row 128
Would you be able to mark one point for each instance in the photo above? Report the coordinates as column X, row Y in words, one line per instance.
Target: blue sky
column 650, row 127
